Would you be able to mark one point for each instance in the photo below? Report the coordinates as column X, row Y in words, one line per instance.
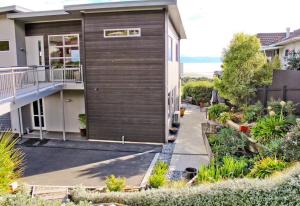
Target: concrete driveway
column 60, row 163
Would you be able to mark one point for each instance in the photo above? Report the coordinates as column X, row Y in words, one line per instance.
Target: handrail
column 13, row 79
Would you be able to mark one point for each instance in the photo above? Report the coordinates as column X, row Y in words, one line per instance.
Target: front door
column 35, row 54
column 36, row 117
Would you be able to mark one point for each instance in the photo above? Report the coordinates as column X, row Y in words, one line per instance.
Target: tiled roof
column 267, row 39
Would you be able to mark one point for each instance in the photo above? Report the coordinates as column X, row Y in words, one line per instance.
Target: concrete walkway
column 190, row 150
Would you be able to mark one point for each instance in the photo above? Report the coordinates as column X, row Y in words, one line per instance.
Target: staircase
column 50, row 193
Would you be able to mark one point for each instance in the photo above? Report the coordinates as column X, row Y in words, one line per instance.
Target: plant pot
column 201, row 105
column 245, row 129
column 176, row 124
column 172, row 139
column 83, row 132
column 173, row 131
column 182, row 110
column 190, row 173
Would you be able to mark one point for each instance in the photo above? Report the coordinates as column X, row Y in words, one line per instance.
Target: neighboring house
column 117, row 62
column 283, row 44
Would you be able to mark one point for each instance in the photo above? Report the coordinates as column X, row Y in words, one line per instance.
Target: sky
column 210, row 24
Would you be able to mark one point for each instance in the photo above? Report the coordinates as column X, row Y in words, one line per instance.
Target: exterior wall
column 55, row 28
column 5, row 123
column 290, row 46
column 20, row 44
column 173, row 75
column 73, row 105
column 7, row 33
column 125, row 77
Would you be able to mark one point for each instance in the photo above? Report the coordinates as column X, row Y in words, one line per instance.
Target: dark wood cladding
column 55, row 28
column 125, row 77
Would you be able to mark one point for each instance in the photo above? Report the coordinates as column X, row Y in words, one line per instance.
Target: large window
column 117, row 33
column 64, row 51
column 177, row 53
column 170, row 49
column 4, row 45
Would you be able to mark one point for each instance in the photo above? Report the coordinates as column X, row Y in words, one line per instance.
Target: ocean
column 200, row 69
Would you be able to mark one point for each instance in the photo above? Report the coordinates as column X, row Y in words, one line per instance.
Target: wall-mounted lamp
column 68, row 100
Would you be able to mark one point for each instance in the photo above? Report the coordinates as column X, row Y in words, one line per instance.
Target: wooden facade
column 125, row 77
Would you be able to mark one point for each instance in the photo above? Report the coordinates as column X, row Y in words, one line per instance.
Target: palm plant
column 11, row 161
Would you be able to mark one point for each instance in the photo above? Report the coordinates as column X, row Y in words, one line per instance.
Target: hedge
column 199, row 90
column 281, row 189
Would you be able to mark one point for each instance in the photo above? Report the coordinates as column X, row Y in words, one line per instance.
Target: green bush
column 278, row 190
column 266, row 167
column 291, row 145
column 253, row 112
column 158, row 177
column 228, row 142
column 216, row 110
column 270, row 128
column 114, row 184
column 11, row 161
column 199, row 90
column 157, row 180
column 273, row 149
column 224, row 117
column 230, row 168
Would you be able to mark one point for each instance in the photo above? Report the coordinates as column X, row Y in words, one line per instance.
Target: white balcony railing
column 14, row 79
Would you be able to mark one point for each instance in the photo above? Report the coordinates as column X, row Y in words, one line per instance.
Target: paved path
column 190, row 150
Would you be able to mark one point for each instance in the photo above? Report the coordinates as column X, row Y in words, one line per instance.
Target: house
column 283, row 44
column 117, row 62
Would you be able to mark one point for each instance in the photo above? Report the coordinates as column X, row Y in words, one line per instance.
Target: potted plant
column 201, row 104
column 82, row 122
column 182, row 110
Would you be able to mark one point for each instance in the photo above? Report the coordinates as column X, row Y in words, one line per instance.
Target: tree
column 294, row 61
column 245, row 68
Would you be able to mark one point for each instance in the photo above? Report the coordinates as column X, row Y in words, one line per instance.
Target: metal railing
column 13, row 79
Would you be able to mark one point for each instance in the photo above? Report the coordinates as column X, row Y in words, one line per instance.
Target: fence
column 285, row 86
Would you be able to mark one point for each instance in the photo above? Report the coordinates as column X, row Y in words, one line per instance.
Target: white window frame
column 170, row 49
column 122, row 36
column 63, row 47
column 8, row 45
column 44, row 115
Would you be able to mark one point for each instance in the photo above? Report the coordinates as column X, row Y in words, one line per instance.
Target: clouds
column 210, row 24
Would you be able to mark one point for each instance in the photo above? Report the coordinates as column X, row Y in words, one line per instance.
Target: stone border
column 149, row 171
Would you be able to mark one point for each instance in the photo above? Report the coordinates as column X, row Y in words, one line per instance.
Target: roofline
column 123, row 4
column 13, row 8
column 266, row 48
column 37, row 14
column 286, row 41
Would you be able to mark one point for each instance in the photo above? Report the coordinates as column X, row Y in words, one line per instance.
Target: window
column 117, row 33
column 4, row 45
column 64, row 51
column 177, row 53
column 170, row 49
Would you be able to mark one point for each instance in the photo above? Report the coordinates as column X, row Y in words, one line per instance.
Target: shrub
column 224, row 117
column 253, row 112
column 199, row 90
column 114, row 184
column 157, row 180
column 228, row 142
column 215, row 111
column 161, row 168
column 269, row 128
column 230, row 168
column 288, row 109
column 282, row 189
column 273, row 149
column 267, row 166
column 158, row 177
column 179, row 184
column 11, row 158
column 291, row 145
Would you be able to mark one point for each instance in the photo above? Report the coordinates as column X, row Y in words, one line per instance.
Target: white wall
column 73, row 104
column 7, row 33
column 290, row 46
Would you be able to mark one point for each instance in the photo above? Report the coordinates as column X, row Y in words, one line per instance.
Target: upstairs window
column 4, row 45
column 119, row 33
column 64, row 51
column 170, row 49
column 177, row 53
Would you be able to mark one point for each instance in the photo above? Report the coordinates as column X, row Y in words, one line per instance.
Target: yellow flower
column 272, row 113
column 269, row 108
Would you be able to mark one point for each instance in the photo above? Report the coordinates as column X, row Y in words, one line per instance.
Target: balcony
column 22, row 85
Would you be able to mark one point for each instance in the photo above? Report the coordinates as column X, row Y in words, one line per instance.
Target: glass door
column 35, row 115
